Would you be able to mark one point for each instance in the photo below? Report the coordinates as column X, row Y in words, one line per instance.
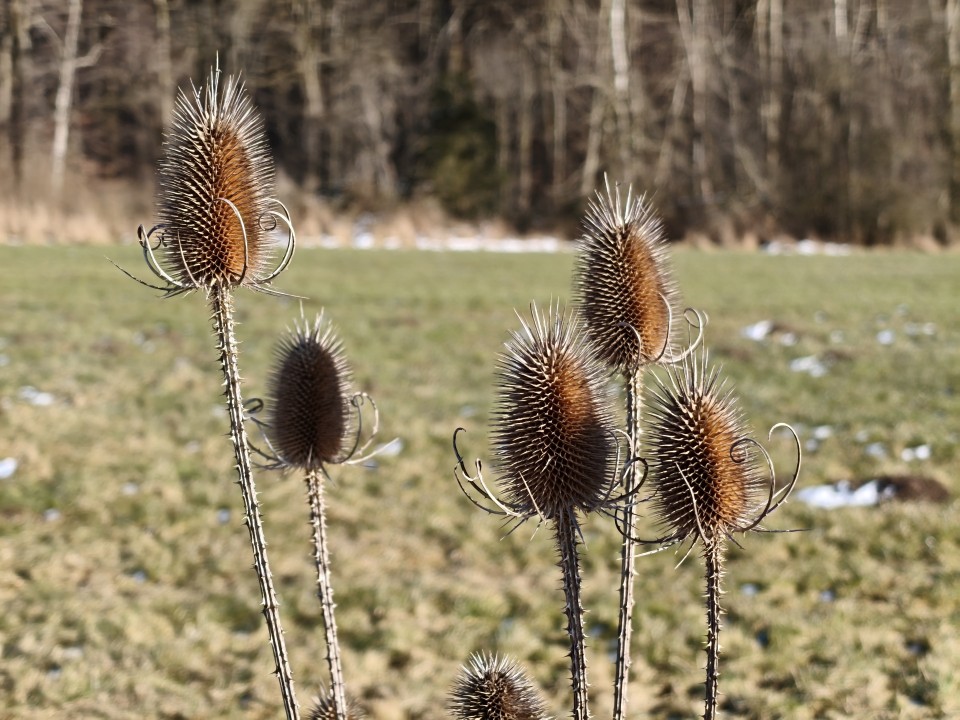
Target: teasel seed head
column 492, row 688
column 552, row 430
column 323, row 708
column 312, row 419
column 704, row 467
column 623, row 282
column 215, row 183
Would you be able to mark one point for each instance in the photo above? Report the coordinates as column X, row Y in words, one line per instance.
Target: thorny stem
column 627, row 557
column 566, row 529
column 321, row 555
column 714, row 571
column 222, row 304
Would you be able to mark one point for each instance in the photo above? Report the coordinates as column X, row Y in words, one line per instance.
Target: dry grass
column 125, row 573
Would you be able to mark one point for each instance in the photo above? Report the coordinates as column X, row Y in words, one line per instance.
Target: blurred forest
column 833, row 118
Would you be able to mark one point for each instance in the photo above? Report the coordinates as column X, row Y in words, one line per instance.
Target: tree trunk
column 308, row 16
column 165, row 90
column 621, row 87
column 15, row 134
column 598, row 107
column 525, row 138
column 953, row 55
column 64, row 99
column 558, row 93
column 694, row 31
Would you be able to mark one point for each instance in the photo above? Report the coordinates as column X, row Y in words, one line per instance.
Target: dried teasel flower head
column 710, row 478
column 324, row 709
column 623, row 282
column 552, row 431
column 312, row 410
column 215, row 212
column 494, row 688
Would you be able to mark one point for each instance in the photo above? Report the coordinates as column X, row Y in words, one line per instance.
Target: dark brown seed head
column 622, row 281
column 215, row 181
column 324, row 709
column 492, row 688
column 311, row 422
column 552, row 431
column 706, row 478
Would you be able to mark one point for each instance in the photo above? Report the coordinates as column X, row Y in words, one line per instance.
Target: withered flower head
column 705, row 469
column 623, row 283
column 492, row 688
column 325, row 709
column 311, row 415
column 215, row 183
column 552, row 432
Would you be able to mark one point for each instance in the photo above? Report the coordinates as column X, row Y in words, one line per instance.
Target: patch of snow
column 822, row 432
column 757, row 331
column 8, row 466
column 830, row 497
column 886, row 337
column 810, row 364
column 390, row 449
column 36, row 397
column 920, row 452
column 876, row 450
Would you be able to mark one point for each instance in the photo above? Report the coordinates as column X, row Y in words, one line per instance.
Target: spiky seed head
column 215, row 183
column 324, row 708
column 705, row 476
column 552, row 430
column 623, row 281
column 494, row 688
column 311, row 418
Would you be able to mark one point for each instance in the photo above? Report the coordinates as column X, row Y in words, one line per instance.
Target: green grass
column 136, row 599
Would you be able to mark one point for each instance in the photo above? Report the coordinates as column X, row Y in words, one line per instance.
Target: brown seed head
column 324, row 709
column 492, row 688
column 552, row 432
column 310, row 389
column 706, row 479
column 215, row 181
column 622, row 280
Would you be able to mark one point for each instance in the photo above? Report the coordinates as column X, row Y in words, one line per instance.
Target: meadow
column 125, row 575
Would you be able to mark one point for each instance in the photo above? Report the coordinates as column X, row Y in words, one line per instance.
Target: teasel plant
column 556, row 452
column 710, row 479
column 217, row 222
column 325, row 707
column 315, row 420
column 628, row 298
column 490, row 687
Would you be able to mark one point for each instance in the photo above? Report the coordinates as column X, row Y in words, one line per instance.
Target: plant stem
column 318, row 522
column 627, row 556
column 714, row 571
column 566, row 530
column 222, row 305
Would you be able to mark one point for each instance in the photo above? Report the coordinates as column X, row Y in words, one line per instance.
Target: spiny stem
column 222, row 304
column 627, row 557
column 566, row 530
column 321, row 555
column 714, row 571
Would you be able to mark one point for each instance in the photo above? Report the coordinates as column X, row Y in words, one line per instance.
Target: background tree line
column 834, row 117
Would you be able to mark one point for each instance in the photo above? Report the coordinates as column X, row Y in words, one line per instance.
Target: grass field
column 125, row 573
